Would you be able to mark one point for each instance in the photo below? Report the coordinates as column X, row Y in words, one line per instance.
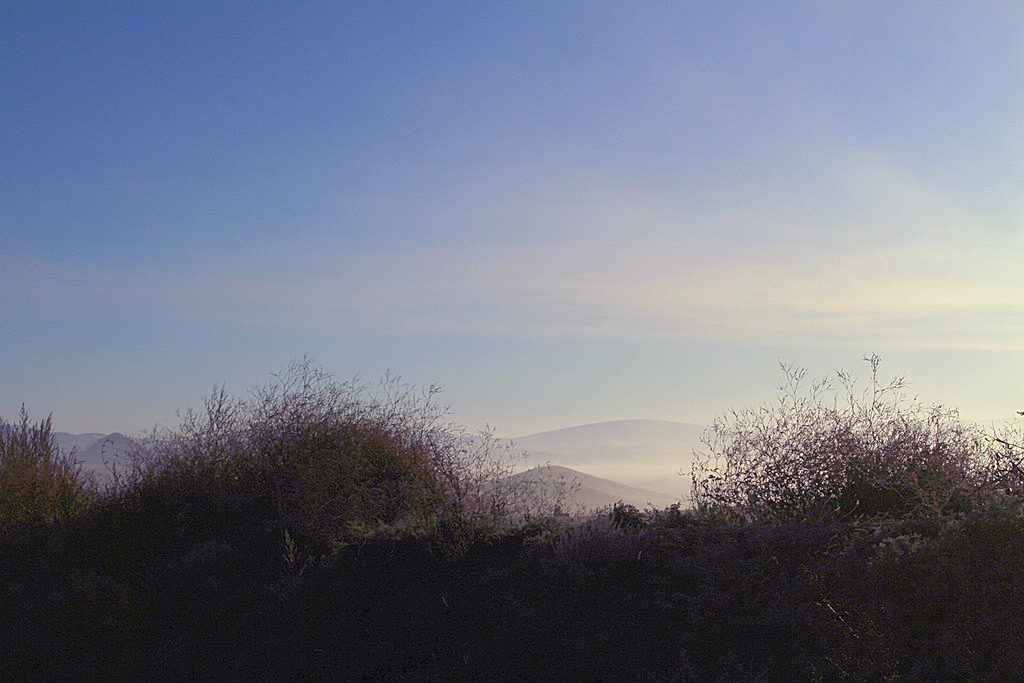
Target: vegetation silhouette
column 326, row 530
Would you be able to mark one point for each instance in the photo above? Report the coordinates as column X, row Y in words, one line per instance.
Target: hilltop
column 654, row 455
column 593, row 493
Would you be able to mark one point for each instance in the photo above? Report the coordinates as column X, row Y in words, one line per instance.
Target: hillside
column 76, row 442
column 93, row 450
column 654, row 455
column 593, row 492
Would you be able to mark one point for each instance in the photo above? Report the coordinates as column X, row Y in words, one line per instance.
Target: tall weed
column 38, row 482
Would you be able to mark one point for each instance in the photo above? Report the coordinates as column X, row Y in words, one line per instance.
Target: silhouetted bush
column 676, row 596
column 626, row 516
column 1007, row 459
column 833, row 452
column 949, row 595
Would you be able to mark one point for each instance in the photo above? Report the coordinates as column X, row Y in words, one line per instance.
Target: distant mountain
column 77, row 442
column 617, row 431
column 647, row 454
column 94, row 450
column 104, row 450
column 596, row 492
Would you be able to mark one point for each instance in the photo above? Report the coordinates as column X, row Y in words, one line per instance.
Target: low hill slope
column 596, row 492
column 94, row 450
column 76, row 442
column 647, row 454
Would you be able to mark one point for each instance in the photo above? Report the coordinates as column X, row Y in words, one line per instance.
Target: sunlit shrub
column 38, row 482
column 331, row 459
column 832, row 450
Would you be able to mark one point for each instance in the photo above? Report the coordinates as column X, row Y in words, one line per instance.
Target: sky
column 561, row 213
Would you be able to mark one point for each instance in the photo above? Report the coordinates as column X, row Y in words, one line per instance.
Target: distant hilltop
column 589, row 493
column 645, row 454
column 94, row 450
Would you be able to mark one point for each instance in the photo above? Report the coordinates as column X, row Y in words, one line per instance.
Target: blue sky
column 560, row 212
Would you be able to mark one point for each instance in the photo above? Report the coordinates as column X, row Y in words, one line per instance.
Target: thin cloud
column 890, row 257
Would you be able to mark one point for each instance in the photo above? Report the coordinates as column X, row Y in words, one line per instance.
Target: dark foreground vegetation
column 316, row 531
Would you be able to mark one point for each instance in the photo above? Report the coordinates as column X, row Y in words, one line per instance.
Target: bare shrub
column 333, row 458
column 831, row 449
column 1007, row 458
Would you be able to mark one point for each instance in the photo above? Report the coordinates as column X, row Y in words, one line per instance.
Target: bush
column 626, row 516
column 38, row 482
column 945, row 593
column 328, row 460
column 833, row 451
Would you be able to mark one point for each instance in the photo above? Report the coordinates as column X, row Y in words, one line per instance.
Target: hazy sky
column 560, row 212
